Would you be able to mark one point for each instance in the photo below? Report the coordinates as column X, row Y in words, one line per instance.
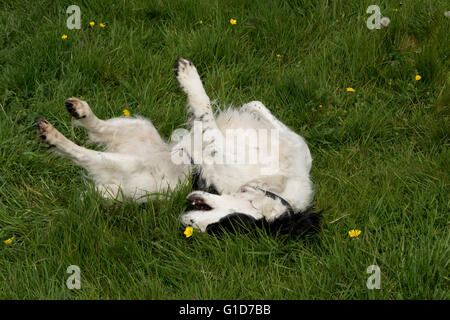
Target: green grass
column 381, row 154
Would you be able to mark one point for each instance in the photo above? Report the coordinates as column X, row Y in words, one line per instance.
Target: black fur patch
column 297, row 224
column 200, row 184
column 175, row 67
column 293, row 223
column 71, row 110
column 233, row 223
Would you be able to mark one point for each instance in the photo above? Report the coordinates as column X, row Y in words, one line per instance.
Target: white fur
column 242, row 186
column 137, row 162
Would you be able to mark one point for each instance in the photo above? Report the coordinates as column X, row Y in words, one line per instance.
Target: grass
column 381, row 157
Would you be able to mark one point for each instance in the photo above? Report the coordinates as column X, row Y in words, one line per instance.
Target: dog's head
column 246, row 210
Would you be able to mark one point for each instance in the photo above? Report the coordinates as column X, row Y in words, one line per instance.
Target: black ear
column 297, row 224
column 233, row 223
column 300, row 223
column 306, row 222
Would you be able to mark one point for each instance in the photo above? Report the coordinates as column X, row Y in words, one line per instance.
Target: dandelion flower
column 64, row 36
column 233, row 21
column 395, row 10
column 102, row 25
column 188, row 232
column 126, row 113
column 350, row 90
column 92, row 23
column 385, row 21
column 278, row 56
column 354, row 233
column 9, row 241
column 201, row 22
column 418, row 77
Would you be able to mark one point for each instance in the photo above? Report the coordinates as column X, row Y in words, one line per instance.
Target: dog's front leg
column 204, row 123
column 191, row 84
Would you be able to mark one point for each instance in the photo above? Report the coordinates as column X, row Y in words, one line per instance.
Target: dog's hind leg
column 95, row 162
column 259, row 110
column 116, row 133
column 83, row 115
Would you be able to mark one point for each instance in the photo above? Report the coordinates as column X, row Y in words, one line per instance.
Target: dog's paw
column 256, row 109
column 46, row 131
column 184, row 68
column 187, row 76
column 77, row 108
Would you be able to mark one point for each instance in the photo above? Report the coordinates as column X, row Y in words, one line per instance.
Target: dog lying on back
column 247, row 183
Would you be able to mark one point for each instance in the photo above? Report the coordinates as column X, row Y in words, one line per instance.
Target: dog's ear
column 233, row 223
column 306, row 222
column 282, row 225
column 297, row 224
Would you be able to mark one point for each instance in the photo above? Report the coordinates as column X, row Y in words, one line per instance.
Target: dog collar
column 283, row 202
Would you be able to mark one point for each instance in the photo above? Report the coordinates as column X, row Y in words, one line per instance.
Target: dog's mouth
column 197, row 203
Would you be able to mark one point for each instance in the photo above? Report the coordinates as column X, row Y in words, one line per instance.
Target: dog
column 233, row 196
column 281, row 199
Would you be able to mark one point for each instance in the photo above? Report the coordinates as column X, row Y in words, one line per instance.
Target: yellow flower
column 126, row 113
column 354, row 233
column 395, row 10
column 64, row 36
column 92, row 23
column 188, row 232
column 10, row 240
column 102, row 25
column 350, row 90
column 418, row 77
column 201, row 22
column 278, row 56
column 233, row 21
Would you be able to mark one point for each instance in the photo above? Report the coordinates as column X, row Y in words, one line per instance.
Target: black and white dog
column 257, row 189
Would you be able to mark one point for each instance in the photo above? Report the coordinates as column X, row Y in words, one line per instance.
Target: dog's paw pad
column 76, row 108
column 187, row 76
column 44, row 129
column 182, row 66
